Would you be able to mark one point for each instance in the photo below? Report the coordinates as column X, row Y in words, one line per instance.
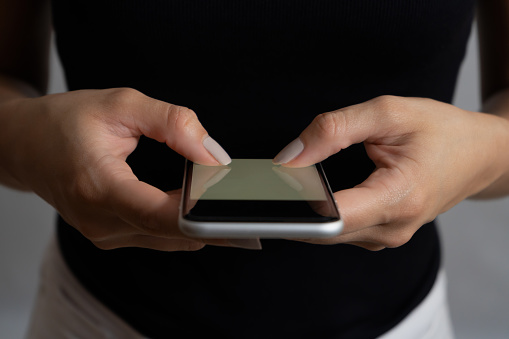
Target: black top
column 256, row 72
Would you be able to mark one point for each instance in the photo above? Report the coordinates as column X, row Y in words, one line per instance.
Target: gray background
column 474, row 239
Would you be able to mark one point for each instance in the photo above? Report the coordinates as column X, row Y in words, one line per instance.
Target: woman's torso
column 256, row 73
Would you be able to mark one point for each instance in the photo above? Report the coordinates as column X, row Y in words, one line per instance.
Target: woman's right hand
column 71, row 148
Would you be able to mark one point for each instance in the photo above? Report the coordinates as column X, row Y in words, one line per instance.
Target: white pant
column 430, row 319
column 64, row 309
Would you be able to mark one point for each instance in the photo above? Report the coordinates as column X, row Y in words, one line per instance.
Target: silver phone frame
column 246, row 230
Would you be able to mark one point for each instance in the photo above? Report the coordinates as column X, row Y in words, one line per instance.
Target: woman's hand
column 429, row 156
column 71, row 149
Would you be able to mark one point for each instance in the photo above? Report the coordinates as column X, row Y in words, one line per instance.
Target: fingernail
column 288, row 153
column 249, row 244
column 216, row 151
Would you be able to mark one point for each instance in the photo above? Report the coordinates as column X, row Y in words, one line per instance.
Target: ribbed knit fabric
column 256, row 72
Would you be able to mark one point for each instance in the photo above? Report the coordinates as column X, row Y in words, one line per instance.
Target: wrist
column 12, row 152
column 498, row 167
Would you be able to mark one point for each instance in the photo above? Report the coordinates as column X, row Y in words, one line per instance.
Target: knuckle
column 386, row 216
column 387, row 102
column 393, row 108
column 405, row 202
column 92, row 232
column 125, row 93
column 104, row 245
column 394, row 241
column 330, row 125
column 414, row 207
column 191, row 246
column 84, row 191
column 120, row 97
column 179, row 118
column 373, row 247
column 148, row 222
column 397, row 239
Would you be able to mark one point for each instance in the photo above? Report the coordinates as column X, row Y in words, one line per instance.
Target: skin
column 81, row 169
column 70, row 148
column 429, row 155
column 423, row 168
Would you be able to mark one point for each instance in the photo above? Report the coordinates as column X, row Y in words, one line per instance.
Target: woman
column 258, row 74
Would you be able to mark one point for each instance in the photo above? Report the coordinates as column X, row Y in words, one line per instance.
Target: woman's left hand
column 429, row 156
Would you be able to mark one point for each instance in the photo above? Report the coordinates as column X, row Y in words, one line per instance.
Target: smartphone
column 253, row 198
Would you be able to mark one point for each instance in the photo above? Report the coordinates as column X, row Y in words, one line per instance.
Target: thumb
column 177, row 126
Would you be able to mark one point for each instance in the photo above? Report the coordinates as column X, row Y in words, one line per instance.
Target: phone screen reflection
column 256, row 179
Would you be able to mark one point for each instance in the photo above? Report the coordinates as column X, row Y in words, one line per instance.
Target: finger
column 98, row 227
column 155, row 213
column 371, row 246
column 333, row 131
column 174, row 125
column 150, row 242
column 386, row 236
column 150, row 210
column 171, row 245
column 367, row 245
column 360, row 208
column 385, row 197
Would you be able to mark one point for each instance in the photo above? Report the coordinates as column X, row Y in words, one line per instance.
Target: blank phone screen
column 256, row 179
column 257, row 190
